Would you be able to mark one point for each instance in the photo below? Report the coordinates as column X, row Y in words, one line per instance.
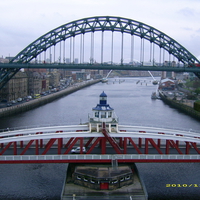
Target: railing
column 93, row 157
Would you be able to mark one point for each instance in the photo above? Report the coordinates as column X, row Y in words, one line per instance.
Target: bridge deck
column 132, row 144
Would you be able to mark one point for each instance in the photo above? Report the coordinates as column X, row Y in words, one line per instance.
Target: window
column 127, row 177
column 122, row 179
column 96, row 114
column 92, row 181
column 85, row 179
column 103, row 114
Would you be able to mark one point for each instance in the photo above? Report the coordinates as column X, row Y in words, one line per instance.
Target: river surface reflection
column 132, row 102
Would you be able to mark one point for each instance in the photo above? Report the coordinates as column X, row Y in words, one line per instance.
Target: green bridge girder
column 101, row 66
column 93, row 24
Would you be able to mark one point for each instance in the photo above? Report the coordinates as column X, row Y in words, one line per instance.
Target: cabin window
column 110, row 114
column 128, row 177
column 85, row 179
column 92, row 181
column 103, row 114
column 96, row 114
column 115, row 181
column 122, row 179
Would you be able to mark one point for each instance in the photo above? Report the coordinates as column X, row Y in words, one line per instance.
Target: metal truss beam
column 104, row 23
column 96, row 24
column 101, row 66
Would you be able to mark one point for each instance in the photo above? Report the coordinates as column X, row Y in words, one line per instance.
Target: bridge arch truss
column 66, row 34
column 105, row 23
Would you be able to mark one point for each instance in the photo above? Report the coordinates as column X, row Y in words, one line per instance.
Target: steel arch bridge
column 101, row 24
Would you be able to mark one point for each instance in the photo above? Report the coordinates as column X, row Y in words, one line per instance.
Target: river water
column 131, row 99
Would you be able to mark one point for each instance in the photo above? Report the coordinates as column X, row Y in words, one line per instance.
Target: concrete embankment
column 8, row 111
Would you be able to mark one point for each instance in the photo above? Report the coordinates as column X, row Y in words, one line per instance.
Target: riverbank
column 186, row 107
column 9, row 111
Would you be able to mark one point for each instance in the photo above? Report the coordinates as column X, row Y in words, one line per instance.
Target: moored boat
column 154, row 95
column 104, row 80
column 155, row 82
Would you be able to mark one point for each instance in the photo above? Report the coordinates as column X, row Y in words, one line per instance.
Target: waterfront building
column 166, row 84
column 54, row 79
column 38, row 82
column 16, row 88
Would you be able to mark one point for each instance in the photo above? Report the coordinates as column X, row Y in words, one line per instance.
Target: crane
column 155, row 82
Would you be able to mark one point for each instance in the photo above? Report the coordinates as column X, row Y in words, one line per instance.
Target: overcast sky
column 23, row 21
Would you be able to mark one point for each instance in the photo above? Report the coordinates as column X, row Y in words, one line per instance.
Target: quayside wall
column 180, row 106
column 9, row 111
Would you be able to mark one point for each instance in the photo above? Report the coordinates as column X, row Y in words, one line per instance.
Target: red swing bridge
column 101, row 140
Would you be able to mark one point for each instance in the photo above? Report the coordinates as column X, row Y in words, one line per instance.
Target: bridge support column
column 140, row 142
column 81, row 145
column 36, row 147
column 167, row 147
column 146, row 150
column 60, row 143
column 21, row 144
column 103, row 145
column 158, row 142
column 140, row 139
column 15, row 148
column 41, row 143
column 41, row 140
column 187, row 147
column 177, row 143
column 125, row 145
column 121, row 142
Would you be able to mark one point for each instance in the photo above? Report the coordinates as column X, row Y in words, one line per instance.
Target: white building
column 103, row 113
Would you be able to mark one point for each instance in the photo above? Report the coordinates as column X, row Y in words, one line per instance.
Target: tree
column 197, row 91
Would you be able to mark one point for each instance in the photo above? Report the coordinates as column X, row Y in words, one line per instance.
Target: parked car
column 13, row 101
column 19, row 99
column 78, row 150
column 29, row 97
column 43, row 93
